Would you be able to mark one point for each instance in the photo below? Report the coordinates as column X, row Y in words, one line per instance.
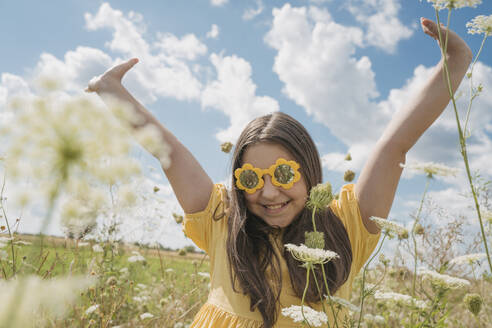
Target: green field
column 169, row 286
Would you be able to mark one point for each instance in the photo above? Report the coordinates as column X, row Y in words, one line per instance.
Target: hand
column 455, row 46
column 111, row 77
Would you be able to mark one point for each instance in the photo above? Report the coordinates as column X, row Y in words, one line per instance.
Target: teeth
column 274, row 207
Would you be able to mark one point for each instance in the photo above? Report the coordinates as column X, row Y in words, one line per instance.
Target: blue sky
column 342, row 68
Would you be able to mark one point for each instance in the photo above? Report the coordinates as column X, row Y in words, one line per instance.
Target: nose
column 269, row 190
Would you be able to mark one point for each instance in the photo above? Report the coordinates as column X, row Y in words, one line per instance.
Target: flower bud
column 314, row 239
column 473, row 303
column 349, row 176
column 348, row 157
column 178, row 218
column 111, row 281
column 226, row 147
column 320, row 197
column 403, row 235
column 419, row 229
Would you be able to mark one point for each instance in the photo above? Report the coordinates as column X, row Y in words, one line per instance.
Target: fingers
column 430, row 28
column 115, row 73
column 122, row 68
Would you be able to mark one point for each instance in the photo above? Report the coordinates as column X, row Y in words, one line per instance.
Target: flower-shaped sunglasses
column 284, row 174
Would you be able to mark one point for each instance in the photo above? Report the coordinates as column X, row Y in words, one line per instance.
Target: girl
column 275, row 164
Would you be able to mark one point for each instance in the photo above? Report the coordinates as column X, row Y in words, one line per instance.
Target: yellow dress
column 228, row 309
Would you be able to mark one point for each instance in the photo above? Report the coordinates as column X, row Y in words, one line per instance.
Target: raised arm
column 379, row 178
column 189, row 181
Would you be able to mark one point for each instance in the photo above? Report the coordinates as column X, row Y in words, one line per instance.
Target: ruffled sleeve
column 363, row 243
column 198, row 226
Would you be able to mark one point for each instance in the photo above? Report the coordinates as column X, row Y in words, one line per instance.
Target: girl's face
column 275, row 205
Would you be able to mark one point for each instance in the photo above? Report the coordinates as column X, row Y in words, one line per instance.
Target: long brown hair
column 249, row 249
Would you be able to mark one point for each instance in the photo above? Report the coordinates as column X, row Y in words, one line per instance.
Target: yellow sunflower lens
column 284, row 173
column 249, row 179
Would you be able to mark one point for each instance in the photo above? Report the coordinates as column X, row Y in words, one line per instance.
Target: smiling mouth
column 276, row 206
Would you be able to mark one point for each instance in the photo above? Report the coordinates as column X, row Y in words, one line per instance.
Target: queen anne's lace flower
column 443, row 279
column 468, row 259
column 431, row 169
column 136, row 257
column 311, row 255
column 400, row 299
column 320, row 197
column 146, row 315
column 480, row 25
column 313, row 317
column 389, row 227
column 91, row 308
column 377, row 319
column 454, row 4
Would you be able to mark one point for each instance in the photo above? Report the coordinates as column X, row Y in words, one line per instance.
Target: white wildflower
column 311, row 255
column 6, row 239
column 377, row 319
column 22, row 242
column 480, row 25
column 97, row 248
column 343, row 302
column 204, row 274
column 146, row 315
column 3, row 254
column 136, row 257
column 400, row 299
column 454, row 4
column 468, row 258
column 58, row 140
column 91, row 308
column 79, row 215
column 141, row 286
column 313, row 317
column 141, row 299
column 389, row 227
column 169, row 270
column 443, row 279
column 52, row 297
column 431, row 169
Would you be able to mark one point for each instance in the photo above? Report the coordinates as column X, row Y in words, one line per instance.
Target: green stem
column 320, row 294
column 463, row 143
column 472, row 94
column 313, row 219
column 417, row 218
column 328, row 296
column 430, row 313
column 416, row 257
column 362, row 293
column 304, row 294
column 8, row 226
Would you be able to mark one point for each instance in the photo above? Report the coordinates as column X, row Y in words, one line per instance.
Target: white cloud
column 77, row 68
column 218, row 3
column 253, row 12
column 234, row 94
column 164, row 73
column 188, row 47
column 380, row 17
column 316, row 63
column 13, row 86
column 214, row 32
